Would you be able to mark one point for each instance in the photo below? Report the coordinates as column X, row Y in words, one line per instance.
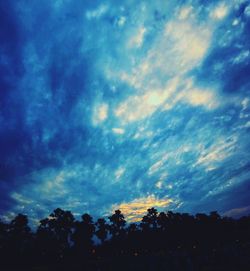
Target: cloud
column 136, row 209
column 100, row 113
column 220, row 11
column 237, row 212
column 221, row 150
column 137, row 39
column 119, row 172
column 118, row 131
column 96, row 13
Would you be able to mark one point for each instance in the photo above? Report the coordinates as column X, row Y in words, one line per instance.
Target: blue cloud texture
column 109, row 105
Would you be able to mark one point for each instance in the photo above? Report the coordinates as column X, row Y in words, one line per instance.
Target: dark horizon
column 178, row 242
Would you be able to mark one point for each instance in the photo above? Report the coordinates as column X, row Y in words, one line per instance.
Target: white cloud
column 217, row 153
column 190, row 43
column 119, row 172
column 137, row 39
column 119, row 131
column 220, row 11
column 247, row 11
column 141, row 106
column 159, row 184
column 172, row 55
column 242, row 56
column 121, row 21
column 238, row 212
column 100, row 113
column 245, row 103
column 185, row 12
column 197, row 97
column 96, row 13
column 156, row 167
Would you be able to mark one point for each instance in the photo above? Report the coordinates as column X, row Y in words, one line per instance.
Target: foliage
column 173, row 241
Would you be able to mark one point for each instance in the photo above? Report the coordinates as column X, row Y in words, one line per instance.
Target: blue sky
column 124, row 104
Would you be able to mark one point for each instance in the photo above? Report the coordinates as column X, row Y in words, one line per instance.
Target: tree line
column 160, row 241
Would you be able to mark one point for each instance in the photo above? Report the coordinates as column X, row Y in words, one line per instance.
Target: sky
column 124, row 104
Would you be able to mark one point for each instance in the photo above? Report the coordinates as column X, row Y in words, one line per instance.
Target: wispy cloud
column 237, row 212
column 137, row 208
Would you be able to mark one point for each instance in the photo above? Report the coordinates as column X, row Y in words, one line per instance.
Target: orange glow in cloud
column 136, row 209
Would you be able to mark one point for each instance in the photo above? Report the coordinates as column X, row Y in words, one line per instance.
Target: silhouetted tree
column 3, row 228
column 101, row 229
column 54, row 233
column 3, row 239
column 214, row 216
column 163, row 221
column 133, row 239
column 82, row 235
column 19, row 238
column 118, row 223
column 19, row 226
column 149, row 221
column 132, row 228
column 164, row 241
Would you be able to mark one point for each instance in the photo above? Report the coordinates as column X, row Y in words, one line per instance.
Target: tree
column 55, row 232
column 102, row 229
column 214, row 216
column 162, row 221
column 132, row 228
column 19, row 226
column 3, row 239
column 83, row 234
column 149, row 221
column 3, row 233
column 117, row 224
column 18, row 238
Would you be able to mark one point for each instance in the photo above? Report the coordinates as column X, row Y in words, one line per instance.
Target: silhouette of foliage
column 82, row 236
column 54, row 234
column 117, row 224
column 102, row 229
column 160, row 241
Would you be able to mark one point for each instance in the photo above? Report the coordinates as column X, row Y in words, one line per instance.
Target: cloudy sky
column 124, row 104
